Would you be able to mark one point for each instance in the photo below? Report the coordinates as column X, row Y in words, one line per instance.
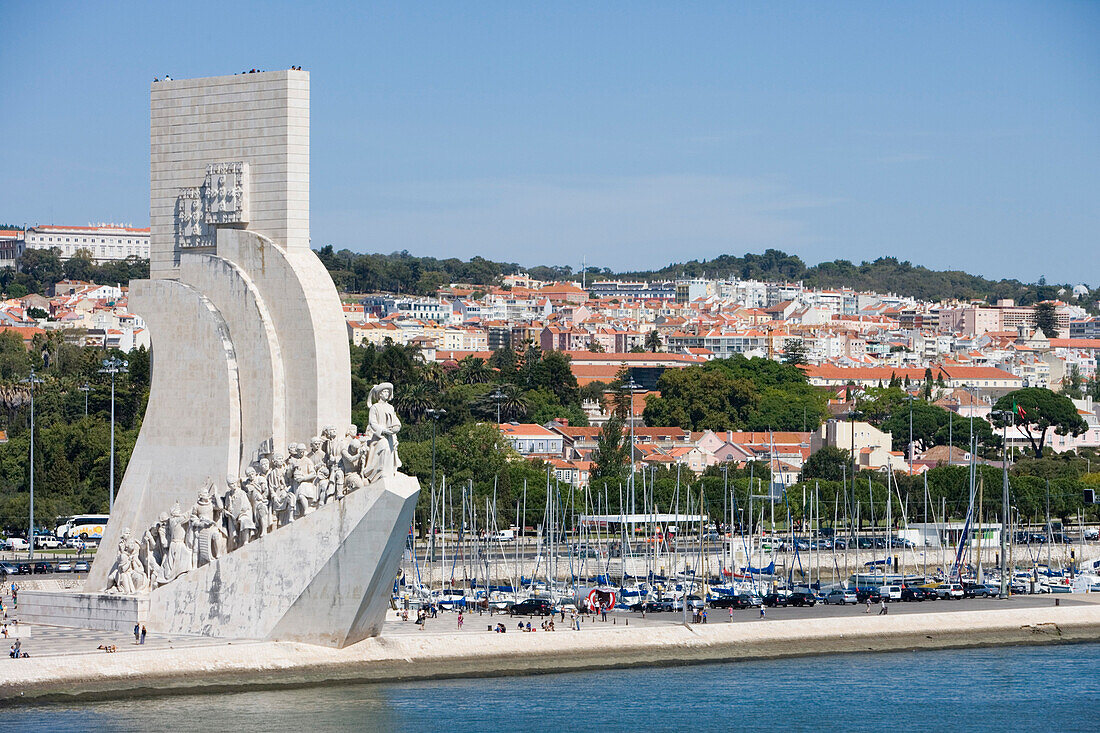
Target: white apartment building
column 104, row 241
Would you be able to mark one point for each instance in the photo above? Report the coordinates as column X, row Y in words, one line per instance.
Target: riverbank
column 475, row 652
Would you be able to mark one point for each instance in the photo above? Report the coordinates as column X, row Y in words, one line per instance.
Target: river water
column 1048, row 688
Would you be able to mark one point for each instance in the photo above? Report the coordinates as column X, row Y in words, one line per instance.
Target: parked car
column 9, row 568
column 80, row 566
column 47, row 541
column 950, row 591
column 741, row 600
column 660, row 606
column 890, row 592
column 42, row 567
column 863, row 594
column 533, row 607
column 840, row 597
column 772, row 600
column 15, row 544
column 64, row 566
column 24, row 568
column 975, row 590
column 909, row 593
column 802, row 598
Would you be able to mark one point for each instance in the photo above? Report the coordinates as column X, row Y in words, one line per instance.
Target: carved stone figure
column 351, row 464
column 382, row 458
column 208, row 535
column 316, row 453
column 240, row 512
column 178, row 558
column 282, row 499
column 304, row 475
column 129, row 574
column 150, row 554
column 333, row 447
column 258, row 494
column 326, row 488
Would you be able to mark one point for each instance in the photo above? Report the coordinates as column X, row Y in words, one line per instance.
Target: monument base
column 323, row 579
column 99, row 611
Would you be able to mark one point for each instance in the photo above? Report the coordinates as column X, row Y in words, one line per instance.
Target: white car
column 15, row 544
column 890, row 592
column 47, row 541
column 952, row 591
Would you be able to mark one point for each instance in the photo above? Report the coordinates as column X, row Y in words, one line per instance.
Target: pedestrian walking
column 884, row 610
column 761, row 612
column 704, row 615
column 143, row 632
column 731, row 614
column 868, row 605
column 460, row 620
column 137, row 633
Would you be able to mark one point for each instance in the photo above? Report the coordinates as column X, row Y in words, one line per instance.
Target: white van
column 890, row 592
column 15, row 544
column 504, row 535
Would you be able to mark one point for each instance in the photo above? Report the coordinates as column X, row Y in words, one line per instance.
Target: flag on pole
column 1016, row 409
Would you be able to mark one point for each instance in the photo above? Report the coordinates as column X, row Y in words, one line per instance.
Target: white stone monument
column 250, row 361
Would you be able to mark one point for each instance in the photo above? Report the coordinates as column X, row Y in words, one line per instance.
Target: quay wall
column 476, row 652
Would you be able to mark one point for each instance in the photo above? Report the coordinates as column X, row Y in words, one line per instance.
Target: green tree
column 1038, row 410
column 653, row 341
column 613, row 453
column 794, row 352
column 827, row 463
column 1073, row 383
column 1045, row 319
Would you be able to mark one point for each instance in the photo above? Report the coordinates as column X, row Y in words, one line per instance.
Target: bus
column 83, row 526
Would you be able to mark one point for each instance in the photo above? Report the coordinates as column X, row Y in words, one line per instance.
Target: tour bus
column 88, row 527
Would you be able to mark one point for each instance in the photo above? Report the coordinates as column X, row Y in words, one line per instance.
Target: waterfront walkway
column 66, row 662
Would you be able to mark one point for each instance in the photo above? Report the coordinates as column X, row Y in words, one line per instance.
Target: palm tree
column 513, row 405
column 653, row 341
column 415, row 400
column 473, row 370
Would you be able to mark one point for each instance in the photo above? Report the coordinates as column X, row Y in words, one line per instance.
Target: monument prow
column 249, row 352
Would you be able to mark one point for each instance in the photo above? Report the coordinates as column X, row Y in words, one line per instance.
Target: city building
column 103, row 242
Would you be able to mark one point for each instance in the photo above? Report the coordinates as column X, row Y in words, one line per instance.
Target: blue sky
column 955, row 135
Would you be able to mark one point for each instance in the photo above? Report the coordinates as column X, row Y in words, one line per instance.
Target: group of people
column 273, row 493
column 16, row 651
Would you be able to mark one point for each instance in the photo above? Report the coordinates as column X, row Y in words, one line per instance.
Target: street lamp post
column 112, row 366
column 497, row 396
column 1005, row 416
column 434, row 414
column 85, row 389
column 31, row 380
column 630, row 387
column 910, row 451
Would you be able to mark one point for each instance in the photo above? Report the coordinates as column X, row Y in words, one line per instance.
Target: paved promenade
column 66, row 663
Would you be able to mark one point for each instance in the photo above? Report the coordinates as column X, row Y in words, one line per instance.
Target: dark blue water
column 1048, row 689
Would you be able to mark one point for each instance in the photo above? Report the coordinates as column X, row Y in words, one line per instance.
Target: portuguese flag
column 1019, row 411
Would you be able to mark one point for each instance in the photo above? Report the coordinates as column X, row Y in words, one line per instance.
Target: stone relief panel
column 191, row 228
column 221, row 199
column 226, row 193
